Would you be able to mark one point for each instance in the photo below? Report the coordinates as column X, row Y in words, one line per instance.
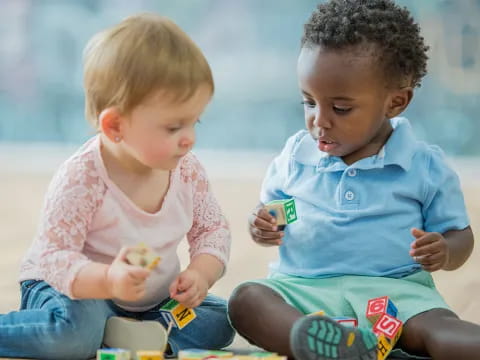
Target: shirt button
column 349, row 195
column 352, row 172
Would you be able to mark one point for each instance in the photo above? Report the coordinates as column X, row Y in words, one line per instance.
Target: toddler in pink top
column 146, row 86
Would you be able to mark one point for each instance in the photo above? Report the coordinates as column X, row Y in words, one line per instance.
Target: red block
column 378, row 306
column 389, row 326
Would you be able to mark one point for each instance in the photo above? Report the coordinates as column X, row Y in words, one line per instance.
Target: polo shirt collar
column 398, row 150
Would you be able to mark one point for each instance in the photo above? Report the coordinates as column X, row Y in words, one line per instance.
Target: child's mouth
column 327, row 146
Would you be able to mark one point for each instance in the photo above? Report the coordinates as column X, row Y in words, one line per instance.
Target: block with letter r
column 283, row 210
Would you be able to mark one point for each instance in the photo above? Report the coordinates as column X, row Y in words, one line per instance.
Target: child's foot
column 318, row 337
column 134, row 335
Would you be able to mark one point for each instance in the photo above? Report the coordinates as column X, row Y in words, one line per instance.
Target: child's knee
column 243, row 300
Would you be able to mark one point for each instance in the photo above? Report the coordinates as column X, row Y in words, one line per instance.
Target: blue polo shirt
column 356, row 219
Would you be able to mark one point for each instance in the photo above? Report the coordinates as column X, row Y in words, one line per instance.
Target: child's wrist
column 107, row 283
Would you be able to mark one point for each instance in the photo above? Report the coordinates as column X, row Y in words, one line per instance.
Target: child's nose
column 187, row 140
column 321, row 120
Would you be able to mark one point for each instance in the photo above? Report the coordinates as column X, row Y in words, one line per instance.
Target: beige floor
column 21, row 195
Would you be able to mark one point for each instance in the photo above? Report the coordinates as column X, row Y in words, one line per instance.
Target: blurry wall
column 252, row 47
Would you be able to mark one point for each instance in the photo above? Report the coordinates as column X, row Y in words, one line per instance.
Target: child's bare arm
column 460, row 244
column 448, row 251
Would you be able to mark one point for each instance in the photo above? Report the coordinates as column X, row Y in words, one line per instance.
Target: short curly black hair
column 338, row 24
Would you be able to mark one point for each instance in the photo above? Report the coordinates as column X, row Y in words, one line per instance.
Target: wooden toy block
column 142, row 255
column 378, row 306
column 388, row 326
column 384, row 347
column 262, row 355
column 283, row 211
column 113, row 354
column 149, row 355
column 320, row 312
column 346, row 321
column 200, row 354
column 175, row 312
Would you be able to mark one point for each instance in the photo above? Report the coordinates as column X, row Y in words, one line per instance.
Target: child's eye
column 308, row 103
column 173, row 129
column 341, row 110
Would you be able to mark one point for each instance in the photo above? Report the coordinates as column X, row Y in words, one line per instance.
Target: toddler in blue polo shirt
column 378, row 210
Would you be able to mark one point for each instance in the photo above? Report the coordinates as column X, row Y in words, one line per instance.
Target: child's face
column 345, row 100
column 159, row 132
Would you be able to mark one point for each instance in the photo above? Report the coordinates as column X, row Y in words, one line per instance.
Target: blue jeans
column 51, row 326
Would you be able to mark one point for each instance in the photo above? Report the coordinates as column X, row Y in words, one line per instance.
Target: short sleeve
column 444, row 207
column 273, row 186
column 210, row 232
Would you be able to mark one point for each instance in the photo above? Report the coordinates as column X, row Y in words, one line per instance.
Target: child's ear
column 399, row 100
column 111, row 124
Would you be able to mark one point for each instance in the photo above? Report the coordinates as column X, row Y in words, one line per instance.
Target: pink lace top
column 86, row 218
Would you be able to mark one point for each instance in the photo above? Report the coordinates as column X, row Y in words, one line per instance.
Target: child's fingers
column 186, row 296
column 265, row 234
column 425, row 250
column 173, row 289
column 138, row 273
column 263, row 224
column 431, row 268
column 122, row 254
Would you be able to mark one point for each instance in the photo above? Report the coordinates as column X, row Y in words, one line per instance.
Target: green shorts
column 348, row 295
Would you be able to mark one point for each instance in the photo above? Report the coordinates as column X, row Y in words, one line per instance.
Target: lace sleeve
column 72, row 198
column 210, row 232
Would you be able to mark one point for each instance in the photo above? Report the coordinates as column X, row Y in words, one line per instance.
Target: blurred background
column 252, row 47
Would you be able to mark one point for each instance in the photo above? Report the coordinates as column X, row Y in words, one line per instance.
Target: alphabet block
column 176, row 312
column 283, row 210
column 378, row 306
column 384, row 347
column 143, row 256
column 149, row 355
column 113, row 354
column 388, row 326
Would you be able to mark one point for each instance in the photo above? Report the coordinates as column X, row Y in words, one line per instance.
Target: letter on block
column 283, row 210
column 379, row 306
column 388, row 326
column 383, row 347
column 113, row 354
column 176, row 312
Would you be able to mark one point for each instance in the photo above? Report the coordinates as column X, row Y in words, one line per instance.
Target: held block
column 176, row 312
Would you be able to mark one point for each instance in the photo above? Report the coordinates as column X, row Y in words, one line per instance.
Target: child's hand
column 263, row 228
column 126, row 282
column 430, row 249
column 189, row 288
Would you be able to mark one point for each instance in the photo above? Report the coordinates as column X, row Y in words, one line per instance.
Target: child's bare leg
column 442, row 335
column 261, row 316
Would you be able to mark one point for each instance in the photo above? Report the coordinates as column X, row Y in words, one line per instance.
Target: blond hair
column 144, row 53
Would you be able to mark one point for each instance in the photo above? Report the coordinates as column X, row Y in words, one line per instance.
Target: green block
column 170, row 305
column 288, row 208
column 108, row 357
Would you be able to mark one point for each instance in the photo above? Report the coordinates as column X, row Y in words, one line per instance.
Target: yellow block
column 149, row 355
column 384, row 347
column 183, row 315
column 142, row 255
